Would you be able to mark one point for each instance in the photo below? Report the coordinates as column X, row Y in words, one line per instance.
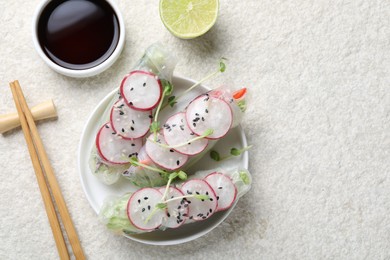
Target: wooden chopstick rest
column 41, row 111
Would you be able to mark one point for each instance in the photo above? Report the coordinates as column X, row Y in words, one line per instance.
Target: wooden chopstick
column 32, row 138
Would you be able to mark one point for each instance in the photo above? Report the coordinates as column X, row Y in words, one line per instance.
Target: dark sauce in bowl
column 78, row 34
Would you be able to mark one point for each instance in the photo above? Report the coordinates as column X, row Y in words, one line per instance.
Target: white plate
column 96, row 191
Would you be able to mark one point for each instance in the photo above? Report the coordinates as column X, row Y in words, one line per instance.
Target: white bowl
column 96, row 192
column 84, row 72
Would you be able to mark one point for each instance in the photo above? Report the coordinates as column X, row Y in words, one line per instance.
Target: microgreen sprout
column 205, row 134
column 155, row 126
column 172, row 100
column 244, row 177
column 182, row 175
column 196, row 196
column 233, row 152
column 134, row 161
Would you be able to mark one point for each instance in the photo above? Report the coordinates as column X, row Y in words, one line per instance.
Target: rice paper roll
column 127, row 117
column 196, row 199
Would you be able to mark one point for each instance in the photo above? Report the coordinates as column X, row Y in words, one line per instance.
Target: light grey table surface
column 318, row 120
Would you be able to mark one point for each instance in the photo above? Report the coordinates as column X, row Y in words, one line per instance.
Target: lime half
column 188, row 19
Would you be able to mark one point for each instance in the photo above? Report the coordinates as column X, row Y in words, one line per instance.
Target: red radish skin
column 177, row 211
column 137, row 125
column 200, row 209
column 129, row 102
column 220, row 184
column 197, row 113
column 176, row 131
column 143, row 201
column 131, row 146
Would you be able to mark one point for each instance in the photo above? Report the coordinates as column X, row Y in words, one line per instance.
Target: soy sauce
column 78, row 34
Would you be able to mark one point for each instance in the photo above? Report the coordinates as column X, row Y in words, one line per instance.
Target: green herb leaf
column 173, row 175
column 244, row 177
column 235, row 152
column 171, row 98
column 155, row 127
column 167, row 87
column 222, row 65
column 215, row 155
column 182, row 175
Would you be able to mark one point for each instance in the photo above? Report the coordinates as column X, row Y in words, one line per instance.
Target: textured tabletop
column 318, row 73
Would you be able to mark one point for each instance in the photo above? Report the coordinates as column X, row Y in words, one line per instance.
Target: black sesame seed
column 202, row 199
column 217, row 197
column 202, row 118
column 204, row 217
column 145, row 198
column 130, row 103
column 132, row 121
column 210, row 210
column 178, row 221
column 139, row 201
column 143, row 209
column 131, row 89
column 182, row 127
column 196, row 114
column 206, row 110
column 171, row 150
column 219, row 187
column 132, row 128
column 197, row 192
column 132, row 144
column 211, row 199
column 121, row 113
column 177, row 162
column 191, row 217
column 178, row 217
column 107, row 126
column 123, row 130
column 179, row 207
column 169, row 215
column 208, row 213
column 144, row 84
column 148, row 207
column 207, row 193
column 150, row 116
column 194, row 124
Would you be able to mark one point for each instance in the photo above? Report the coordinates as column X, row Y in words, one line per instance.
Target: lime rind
column 187, row 19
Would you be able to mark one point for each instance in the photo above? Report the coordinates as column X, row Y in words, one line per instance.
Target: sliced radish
column 164, row 157
column 177, row 210
column 129, row 123
column 141, row 90
column 208, row 112
column 224, row 188
column 140, row 207
column 199, row 209
column 176, row 131
column 113, row 148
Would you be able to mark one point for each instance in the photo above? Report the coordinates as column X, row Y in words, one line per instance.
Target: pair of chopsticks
column 41, row 166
